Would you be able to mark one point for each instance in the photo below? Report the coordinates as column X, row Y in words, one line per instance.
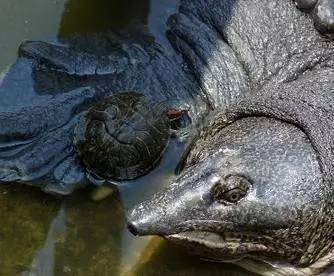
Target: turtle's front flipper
column 46, row 160
column 66, row 59
column 36, row 132
column 322, row 12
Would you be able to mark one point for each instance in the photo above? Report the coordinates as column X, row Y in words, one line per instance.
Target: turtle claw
column 322, row 12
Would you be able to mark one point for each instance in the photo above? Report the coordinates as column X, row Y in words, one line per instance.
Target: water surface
column 45, row 235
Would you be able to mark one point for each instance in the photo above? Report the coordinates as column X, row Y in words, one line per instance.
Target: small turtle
column 124, row 136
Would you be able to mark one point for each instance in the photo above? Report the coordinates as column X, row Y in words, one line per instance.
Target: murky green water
column 44, row 235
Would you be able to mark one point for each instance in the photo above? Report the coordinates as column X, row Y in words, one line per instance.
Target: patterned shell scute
column 123, row 136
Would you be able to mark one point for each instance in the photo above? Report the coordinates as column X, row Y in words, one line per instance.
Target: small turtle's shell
column 123, row 136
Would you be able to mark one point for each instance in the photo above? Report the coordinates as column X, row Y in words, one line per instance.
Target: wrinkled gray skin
column 253, row 188
column 322, row 12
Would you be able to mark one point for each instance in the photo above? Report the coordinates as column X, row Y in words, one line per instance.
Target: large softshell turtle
column 258, row 180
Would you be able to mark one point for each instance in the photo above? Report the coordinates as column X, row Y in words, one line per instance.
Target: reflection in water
column 43, row 262
column 76, row 237
column 25, row 216
column 93, row 238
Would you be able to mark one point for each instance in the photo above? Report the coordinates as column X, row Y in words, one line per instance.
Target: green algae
column 25, row 216
column 160, row 258
column 93, row 240
column 89, row 245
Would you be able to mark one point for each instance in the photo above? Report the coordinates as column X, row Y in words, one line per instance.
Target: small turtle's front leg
column 322, row 12
column 180, row 120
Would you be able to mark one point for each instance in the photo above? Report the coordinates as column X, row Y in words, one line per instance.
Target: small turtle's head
column 251, row 188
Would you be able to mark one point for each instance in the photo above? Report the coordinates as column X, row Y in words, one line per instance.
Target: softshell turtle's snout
column 132, row 227
column 176, row 209
column 150, row 218
column 140, row 221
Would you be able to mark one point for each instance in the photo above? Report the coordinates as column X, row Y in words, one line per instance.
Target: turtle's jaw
column 222, row 247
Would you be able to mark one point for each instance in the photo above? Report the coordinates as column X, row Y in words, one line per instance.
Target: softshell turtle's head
column 251, row 188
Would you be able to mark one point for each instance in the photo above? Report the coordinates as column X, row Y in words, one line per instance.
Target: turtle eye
column 233, row 195
column 231, row 190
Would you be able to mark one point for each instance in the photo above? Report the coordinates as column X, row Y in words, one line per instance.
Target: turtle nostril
column 133, row 229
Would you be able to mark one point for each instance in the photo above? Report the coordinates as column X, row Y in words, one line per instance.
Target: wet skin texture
column 249, row 183
column 322, row 12
column 256, row 75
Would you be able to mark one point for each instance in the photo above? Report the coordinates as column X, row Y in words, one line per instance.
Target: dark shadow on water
column 88, row 16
